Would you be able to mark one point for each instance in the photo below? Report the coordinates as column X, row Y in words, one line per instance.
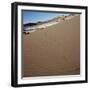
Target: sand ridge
column 43, row 25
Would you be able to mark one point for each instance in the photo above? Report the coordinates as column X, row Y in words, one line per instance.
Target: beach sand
column 52, row 51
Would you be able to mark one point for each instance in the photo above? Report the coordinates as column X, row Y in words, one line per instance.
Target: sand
column 52, row 51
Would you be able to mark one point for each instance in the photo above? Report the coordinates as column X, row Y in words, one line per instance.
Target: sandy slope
column 53, row 51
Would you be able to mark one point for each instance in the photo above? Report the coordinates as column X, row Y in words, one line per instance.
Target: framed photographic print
column 49, row 44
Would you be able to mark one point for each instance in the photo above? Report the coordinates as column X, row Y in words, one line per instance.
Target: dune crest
column 42, row 25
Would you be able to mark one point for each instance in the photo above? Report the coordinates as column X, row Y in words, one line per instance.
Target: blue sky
column 33, row 16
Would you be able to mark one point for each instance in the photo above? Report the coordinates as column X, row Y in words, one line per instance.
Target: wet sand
column 53, row 51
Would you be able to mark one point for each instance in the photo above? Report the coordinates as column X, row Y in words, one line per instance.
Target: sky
column 35, row 16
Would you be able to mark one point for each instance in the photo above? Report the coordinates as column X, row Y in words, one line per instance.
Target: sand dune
column 53, row 51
